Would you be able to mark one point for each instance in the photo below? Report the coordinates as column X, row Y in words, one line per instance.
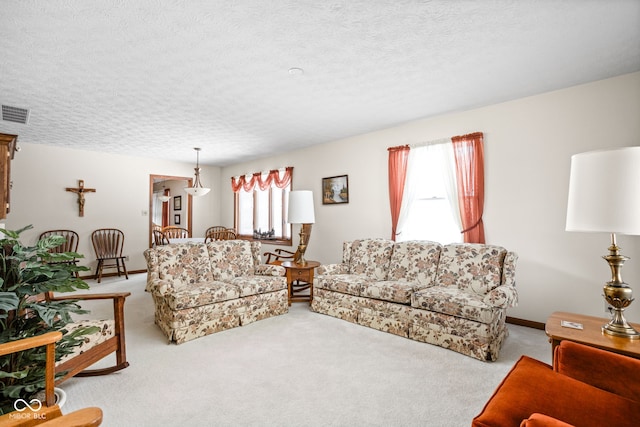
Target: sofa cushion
column 105, row 330
column 389, row 290
column 532, row 386
column 415, row 261
column 230, row 258
column 252, row 285
column 199, row 294
column 183, row 264
column 471, row 267
column 453, row 301
column 351, row 284
column 370, row 258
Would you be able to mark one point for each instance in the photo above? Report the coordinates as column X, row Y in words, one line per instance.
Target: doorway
column 177, row 210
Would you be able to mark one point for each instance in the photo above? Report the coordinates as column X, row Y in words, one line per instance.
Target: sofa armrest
column 603, row 369
column 542, row 420
column 502, row 297
column 333, row 269
column 160, row 287
column 509, row 269
column 270, row 270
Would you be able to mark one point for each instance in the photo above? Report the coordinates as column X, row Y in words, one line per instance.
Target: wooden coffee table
column 591, row 334
column 297, row 273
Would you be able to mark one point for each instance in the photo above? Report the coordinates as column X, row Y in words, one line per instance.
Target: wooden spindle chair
column 108, row 244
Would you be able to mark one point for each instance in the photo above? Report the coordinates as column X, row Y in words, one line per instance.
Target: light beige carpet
column 298, row 369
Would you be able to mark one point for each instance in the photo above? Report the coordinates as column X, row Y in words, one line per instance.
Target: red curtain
column 263, row 183
column 398, row 157
column 165, row 209
column 469, row 154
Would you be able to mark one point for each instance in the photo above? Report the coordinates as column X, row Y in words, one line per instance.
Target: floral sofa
column 455, row 296
column 202, row 288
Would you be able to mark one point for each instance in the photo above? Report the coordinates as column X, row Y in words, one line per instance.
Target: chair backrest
column 214, row 229
column 173, row 232
column 108, row 242
column 159, row 238
column 70, row 244
column 225, row 234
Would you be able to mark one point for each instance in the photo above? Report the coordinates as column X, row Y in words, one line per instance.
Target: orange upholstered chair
column 586, row 387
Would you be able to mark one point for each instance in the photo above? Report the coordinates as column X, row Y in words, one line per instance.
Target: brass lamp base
column 305, row 235
column 618, row 294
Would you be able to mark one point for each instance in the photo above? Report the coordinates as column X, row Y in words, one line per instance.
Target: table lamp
column 604, row 196
column 301, row 212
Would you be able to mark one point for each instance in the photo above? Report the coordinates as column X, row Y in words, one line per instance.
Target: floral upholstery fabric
column 234, row 290
column 448, row 300
column 415, row 261
column 198, row 294
column 471, row 267
column 387, row 290
column 252, row 285
column 370, row 258
column 344, row 283
column 230, row 258
column 106, row 330
column 183, row 264
column 454, row 296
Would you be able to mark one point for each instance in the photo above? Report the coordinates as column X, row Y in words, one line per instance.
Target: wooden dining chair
column 108, row 244
column 70, row 245
column 48, row 414
column 159, row 238
column 173, row 232
column 224, row 234
column 214, row 229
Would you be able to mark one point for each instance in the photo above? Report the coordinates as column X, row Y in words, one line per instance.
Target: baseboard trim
column 527, row 323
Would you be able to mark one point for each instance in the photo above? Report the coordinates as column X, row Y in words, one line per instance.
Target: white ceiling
column 156, row 78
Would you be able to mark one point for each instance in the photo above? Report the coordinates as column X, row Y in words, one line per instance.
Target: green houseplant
column 27, row 273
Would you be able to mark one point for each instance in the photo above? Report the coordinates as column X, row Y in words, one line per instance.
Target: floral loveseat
column 454, row 296
column 202, row 288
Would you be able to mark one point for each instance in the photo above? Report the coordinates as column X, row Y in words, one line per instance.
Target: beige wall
column 528, row 145
column 40, row 174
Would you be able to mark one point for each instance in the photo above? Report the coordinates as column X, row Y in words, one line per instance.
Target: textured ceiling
column 156, row 78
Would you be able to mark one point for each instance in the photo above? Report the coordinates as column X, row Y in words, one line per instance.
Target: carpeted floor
column 298, row 369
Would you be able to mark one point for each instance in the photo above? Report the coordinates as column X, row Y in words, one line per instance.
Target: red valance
column 273, row 177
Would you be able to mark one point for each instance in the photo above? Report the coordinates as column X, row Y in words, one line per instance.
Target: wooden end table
column 300, row 278
column 591, row 334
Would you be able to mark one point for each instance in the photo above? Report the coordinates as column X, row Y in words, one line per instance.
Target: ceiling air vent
column 15, row 114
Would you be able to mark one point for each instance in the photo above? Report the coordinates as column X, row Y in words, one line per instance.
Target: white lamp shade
column 197, row 191
column 301, row 207
column 604, row 191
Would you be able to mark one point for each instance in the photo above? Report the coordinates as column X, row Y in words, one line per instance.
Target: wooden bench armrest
column 27, row 343
column 87, row 297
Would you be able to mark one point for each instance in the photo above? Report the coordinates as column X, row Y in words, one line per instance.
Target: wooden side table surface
column 591, row 334
column 297, row 273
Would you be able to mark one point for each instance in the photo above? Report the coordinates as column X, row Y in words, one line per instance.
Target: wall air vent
column 15, row 114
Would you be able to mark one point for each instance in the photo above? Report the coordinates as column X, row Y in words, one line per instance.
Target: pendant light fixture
column 197, row 189
column 166, row 196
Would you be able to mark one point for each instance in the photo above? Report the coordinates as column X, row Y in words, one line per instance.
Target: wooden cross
column 80, row 192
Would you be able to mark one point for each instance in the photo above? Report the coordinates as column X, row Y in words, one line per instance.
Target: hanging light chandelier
column 197, row 189
column 166, row 196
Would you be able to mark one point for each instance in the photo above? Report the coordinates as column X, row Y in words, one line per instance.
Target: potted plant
column 27, row 274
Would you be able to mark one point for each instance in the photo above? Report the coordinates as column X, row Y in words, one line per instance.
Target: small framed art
column 176, row 219
column 177, row 203
column 335, row 190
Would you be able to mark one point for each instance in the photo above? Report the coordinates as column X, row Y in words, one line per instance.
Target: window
column 261, row 205
column 430, row 216
column 430, row 208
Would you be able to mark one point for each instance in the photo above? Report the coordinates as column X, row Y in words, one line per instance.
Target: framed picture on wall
column 335, row 189
column 176, row 219
column 177, row 203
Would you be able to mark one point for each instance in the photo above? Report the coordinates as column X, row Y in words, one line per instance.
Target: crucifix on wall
column 80, row 192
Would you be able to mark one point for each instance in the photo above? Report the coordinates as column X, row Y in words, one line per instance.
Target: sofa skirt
column 180, row 326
